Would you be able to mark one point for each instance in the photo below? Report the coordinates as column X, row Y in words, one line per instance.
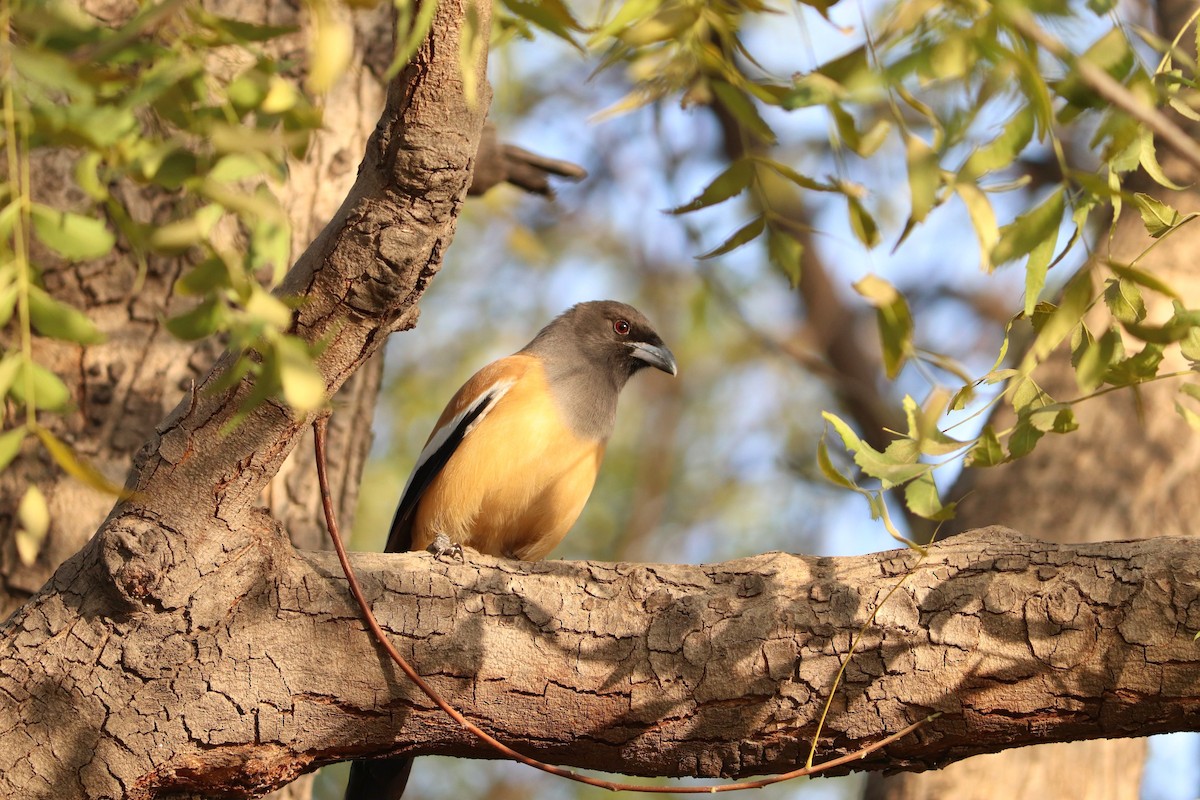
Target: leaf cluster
column 139, row 104
column 963, row 90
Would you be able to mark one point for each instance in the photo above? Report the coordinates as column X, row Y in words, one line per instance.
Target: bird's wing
column 465, row 411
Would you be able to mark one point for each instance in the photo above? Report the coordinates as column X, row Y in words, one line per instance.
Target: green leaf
column 73, row 465
column 1124, row 301
column 236, row 31
column 176, row 166
column 1023, row 439
column 923, row 424
column 410, row 32
column 34, row 517
column 8, row 218
column 1003, row 150
column 751, row 230
column 889, row 473
column 987, row 452
column 267, row 309
column 270, row 244
column 1111, row 53
column 828, row 469
column 10, row 367
column 862, row 223
column 87, row 177
column 1189, row 346
column 205, row 319
column 864, row 145
column 962, row 397
column 1059, row 323
column 983, row 219
column 1036, row 268
column 550, row 15
column 8, row 302
column 10, row 444
column 1143, row 278
column 849, row 438
column 1027, row 396
column 732, row 181
column 895, row 321
column 921, row 497
column 176, row 237
column 238, row 166
column 1141, row 366
column 785, row 253
column 1173, row 330
column 888, row 469
column 331, row 45
column 1149, row 161
column 1027, row 231
column 743, row 110
column 207, row 276
column 1192, row 419
column 50, row 393
column 59, row 320
column 924, row 176
column 810, row 90
column 303, row 385
column 1157, row 216
column 803, row 181
column 1053, row 418
column 1096, row 359
column 247, row 91
column 73, row 236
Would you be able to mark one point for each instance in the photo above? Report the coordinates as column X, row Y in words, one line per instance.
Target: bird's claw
column 444, row 549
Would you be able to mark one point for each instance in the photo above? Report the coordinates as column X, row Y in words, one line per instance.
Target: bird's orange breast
column 519, row 480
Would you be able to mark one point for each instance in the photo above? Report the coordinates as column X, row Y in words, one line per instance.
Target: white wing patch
column 438, row 440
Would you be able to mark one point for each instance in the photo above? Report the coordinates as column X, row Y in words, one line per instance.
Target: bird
column 514, row 456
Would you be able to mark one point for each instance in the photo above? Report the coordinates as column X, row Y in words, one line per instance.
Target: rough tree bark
column 124, row 386
column 1130, row 471
column 195, row 484
column 682, row 670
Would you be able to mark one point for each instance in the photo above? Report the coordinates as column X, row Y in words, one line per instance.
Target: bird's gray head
column 610, row 336
column 590, row 351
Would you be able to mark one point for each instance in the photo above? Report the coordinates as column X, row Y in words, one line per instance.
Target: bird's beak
column 656, row 355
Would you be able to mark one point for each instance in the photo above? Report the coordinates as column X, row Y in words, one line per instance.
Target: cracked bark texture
column 1130, row 471
column 125, row 385
column 197, row 513
column 718, row 670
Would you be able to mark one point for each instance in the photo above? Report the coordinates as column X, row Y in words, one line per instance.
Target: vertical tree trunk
column 123, row 387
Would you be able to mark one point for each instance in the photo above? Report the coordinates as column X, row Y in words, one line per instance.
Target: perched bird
column 513, row 458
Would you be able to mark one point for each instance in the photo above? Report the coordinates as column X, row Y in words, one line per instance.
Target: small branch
column 497, row 162
column 1112, row 90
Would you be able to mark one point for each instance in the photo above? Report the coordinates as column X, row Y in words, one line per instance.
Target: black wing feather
column 385, row 779
column 400, row 537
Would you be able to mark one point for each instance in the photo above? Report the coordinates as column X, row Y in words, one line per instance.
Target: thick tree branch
column 498, row 162
column 357, row 282
column 716, row 670
column 191, row 537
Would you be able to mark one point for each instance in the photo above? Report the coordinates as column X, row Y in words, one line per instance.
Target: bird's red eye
column 621, row 327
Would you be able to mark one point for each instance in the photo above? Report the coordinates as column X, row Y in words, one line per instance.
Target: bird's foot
column 444, row 550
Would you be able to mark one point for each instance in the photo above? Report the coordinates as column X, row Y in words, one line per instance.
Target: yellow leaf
column 34, row 516
column 71, row 464
column 330, row 47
